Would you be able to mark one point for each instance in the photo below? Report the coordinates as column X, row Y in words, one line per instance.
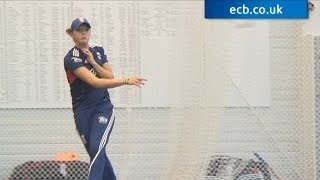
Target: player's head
column 310, row 6
column 79, row 30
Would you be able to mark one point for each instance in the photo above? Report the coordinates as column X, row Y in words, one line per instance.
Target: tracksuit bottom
column 94, row 126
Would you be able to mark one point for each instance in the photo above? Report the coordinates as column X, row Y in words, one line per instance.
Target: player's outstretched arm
column 85, row 75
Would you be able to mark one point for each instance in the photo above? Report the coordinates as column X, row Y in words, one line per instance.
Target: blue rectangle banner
column 256, row 9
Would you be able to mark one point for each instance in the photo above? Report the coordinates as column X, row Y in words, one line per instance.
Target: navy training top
column 84, row 95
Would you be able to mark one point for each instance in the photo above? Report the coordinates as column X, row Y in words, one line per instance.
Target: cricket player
column 90, row 76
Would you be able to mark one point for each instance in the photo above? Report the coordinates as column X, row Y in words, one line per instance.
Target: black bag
column 51, row 170
column 237, row 168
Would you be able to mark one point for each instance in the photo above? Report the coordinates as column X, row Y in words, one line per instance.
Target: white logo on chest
column 93, row 71
column 98, row 55
column 75, row 59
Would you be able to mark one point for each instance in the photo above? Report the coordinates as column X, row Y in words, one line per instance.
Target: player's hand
column 89, row 55
column 137, row 81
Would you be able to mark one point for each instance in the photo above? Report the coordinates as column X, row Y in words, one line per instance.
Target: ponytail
column 68, row 31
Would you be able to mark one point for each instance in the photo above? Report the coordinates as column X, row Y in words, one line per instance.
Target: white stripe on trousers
column 103, row 139
column 105, row 135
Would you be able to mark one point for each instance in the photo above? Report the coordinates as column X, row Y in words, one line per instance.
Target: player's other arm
column 85, row 75
column 104, row 71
